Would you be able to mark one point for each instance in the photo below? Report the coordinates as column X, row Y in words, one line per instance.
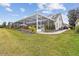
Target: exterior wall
column 41, row 21
column 59, row 22
column 77, row 22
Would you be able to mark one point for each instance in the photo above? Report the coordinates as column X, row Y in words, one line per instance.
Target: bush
column 77, row 29
column 32, row 28
column 1, row 26
column 65, row 27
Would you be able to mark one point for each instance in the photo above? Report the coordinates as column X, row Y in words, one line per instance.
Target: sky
column 12, row 12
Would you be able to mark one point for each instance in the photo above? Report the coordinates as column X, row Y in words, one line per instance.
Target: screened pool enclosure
column 42, row 23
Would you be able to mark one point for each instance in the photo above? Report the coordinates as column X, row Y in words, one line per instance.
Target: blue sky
column 11, row 12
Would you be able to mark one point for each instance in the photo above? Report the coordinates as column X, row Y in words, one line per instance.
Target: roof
column 51, row 17
column 54, row 16
column 35, row 14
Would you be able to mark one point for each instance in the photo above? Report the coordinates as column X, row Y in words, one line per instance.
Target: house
column 58, row 21
column 77, row 22
column 43, row 23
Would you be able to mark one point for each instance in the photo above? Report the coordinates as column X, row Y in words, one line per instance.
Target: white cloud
column 50, row 7
column 9, row 9
column 22, row 9
column 15, row 15
column 46, row 12
column 41, row 5
column 56, row 6
column 65, row 18
column 5, row 4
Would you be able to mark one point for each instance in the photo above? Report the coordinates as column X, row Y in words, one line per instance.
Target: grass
column 13, row 42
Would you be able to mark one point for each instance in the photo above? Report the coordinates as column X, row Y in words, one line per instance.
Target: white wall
column 59, row 22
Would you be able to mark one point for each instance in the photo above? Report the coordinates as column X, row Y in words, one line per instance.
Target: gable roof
column 54, row 16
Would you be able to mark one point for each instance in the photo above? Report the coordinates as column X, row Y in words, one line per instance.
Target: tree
column 4, row 24
column 77, row 12
column 10, row 25
column 72, row 15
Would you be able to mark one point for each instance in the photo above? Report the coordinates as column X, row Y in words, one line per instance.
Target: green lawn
column 13, row 42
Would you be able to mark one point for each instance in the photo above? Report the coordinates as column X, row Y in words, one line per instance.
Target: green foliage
column 32, row 28
column 4, row 24
column 73, row 15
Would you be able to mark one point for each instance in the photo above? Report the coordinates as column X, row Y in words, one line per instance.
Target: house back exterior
column 52, row 22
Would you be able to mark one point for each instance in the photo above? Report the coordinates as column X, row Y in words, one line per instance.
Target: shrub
column 77, row 29
column 32, row 28
column 65, row 27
